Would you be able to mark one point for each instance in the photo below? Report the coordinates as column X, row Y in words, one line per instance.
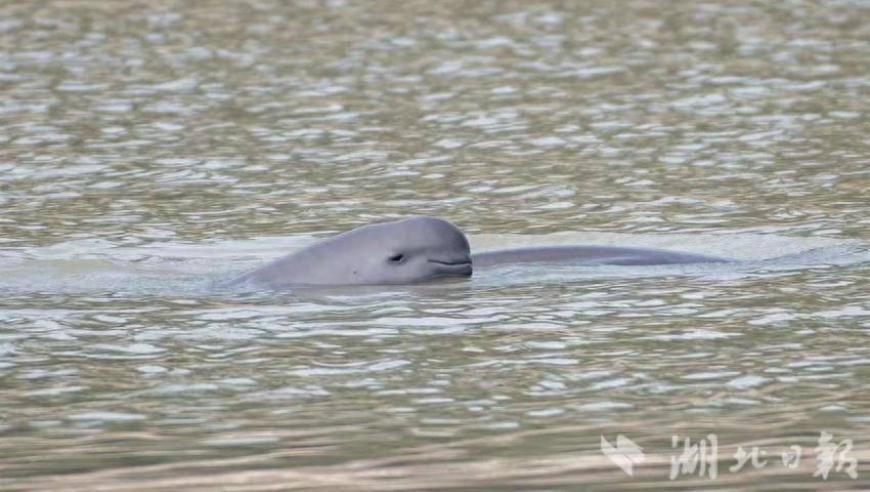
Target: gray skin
column 421, row 249
column 588, row 255
column 407, row 251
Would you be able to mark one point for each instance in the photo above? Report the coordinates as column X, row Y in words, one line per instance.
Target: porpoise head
column 408, row 251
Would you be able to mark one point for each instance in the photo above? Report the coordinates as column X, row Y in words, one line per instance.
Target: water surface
column 147, row 150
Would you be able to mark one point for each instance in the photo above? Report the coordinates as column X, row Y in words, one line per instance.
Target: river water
column 149, row 150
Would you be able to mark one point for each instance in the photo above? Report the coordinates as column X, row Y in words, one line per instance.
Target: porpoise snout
column 455, row 266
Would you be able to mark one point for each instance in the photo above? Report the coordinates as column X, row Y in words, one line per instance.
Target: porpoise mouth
column 460, row 267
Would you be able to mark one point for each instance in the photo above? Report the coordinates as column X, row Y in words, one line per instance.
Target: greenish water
column 149, row 150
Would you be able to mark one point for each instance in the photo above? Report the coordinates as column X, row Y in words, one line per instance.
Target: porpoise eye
column 396, row 258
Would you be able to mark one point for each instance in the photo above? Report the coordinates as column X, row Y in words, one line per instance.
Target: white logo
column 625, row 454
